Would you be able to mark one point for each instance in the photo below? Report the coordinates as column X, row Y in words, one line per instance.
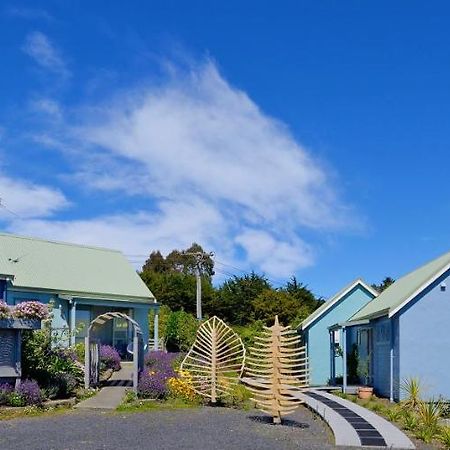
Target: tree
column 387, row 281
column 233, row 300
column 177, row 290
column 270, row 303
column 156, row 263
column 172, row 279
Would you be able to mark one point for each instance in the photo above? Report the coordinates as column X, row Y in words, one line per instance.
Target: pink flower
column 30, row 310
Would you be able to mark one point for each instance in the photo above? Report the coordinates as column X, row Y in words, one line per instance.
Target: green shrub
column 79, row 352
column 15, row 399
column 410, row 420
column 444, row 436
column 429, row 414
column 394, row 414
column 53, row 368
column 411, row 387
column 239, row 397
column 181, row 329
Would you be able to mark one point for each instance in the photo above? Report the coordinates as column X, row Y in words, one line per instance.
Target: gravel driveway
column 203, row 428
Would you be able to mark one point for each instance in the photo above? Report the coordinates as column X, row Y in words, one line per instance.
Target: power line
column 2, row 205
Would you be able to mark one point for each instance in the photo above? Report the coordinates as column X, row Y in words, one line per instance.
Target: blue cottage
column 402, row 333
column 325, row 359
column 81, row 282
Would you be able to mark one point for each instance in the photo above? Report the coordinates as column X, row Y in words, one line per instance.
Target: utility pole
column 199, row 258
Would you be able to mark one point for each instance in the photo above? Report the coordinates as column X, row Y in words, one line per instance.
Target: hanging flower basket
column 20, row 324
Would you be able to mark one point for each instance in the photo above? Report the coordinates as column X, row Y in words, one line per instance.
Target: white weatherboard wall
column 317, row 335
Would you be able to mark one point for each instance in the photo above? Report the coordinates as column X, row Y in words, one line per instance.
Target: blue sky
column 306, row 138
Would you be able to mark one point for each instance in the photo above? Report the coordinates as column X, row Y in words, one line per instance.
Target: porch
column 365, row 350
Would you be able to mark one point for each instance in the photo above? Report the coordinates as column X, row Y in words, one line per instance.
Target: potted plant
column 26, row 315
column 366, row 391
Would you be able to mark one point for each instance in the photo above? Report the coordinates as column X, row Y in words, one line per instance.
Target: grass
column 31, row 411
column 152, row 405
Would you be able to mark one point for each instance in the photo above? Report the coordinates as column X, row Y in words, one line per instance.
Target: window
column 82, row 321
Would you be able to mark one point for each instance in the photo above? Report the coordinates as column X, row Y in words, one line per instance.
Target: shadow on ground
column 267, row 420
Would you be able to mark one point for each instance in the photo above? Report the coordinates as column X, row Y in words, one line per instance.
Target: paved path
column 354, row 425
column 112, row 394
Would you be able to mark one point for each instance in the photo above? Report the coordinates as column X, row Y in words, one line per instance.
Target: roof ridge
column 51, row 241
column 404, row 288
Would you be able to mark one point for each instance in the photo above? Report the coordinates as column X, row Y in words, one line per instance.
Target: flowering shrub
column 4, row 310
column 153, row 379
column 181, row 386
column 153, row 384
column 109, row 357
column 27, row 393
column 30, row 310
column 160, row 360
column 30, row 392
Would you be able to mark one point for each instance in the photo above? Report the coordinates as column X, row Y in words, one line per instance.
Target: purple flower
column 30, row 392
column 158, row 369
column 110, row 357
column 153, row 384
column 160, row 360
column 30, row 310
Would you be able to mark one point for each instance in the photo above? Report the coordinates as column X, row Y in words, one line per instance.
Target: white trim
column 419, row 290
column 307, row 322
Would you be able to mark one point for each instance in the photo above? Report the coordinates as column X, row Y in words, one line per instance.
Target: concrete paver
column 111, row 396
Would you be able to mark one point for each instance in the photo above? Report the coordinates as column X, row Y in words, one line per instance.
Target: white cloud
column 175, row 225
column 213, row 166
column 48, row 107
column 277, row 257
column 39, row 47
column 29, row 200
column 201, row 134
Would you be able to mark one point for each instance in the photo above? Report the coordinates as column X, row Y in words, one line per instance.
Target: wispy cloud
column 28, row 200
column 213, row 167
column 39, row 47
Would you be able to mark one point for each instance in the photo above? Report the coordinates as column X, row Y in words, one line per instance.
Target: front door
column 365, row 346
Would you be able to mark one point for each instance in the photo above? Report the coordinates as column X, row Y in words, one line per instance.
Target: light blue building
column 81, row 282
column 404, row 332
column 326, row 362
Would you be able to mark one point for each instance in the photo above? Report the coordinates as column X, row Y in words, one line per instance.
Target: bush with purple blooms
column 159, row 367
column 30, row 310
column 160, row 360
column 27, row 393
column 109, row 357
column 30, row 392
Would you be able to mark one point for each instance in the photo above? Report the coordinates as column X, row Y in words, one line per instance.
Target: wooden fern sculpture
column 216, row 359
column 276, row 370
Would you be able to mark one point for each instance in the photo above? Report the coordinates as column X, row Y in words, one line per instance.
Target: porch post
column 87, row 362
column 344, row 359
column 135, row 361
column 156, row 331
column 73, row 311
column 332, row 368
column 391, row 363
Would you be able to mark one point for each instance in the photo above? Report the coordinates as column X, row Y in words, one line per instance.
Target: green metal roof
column 322, row 309
column 403, row 290
column 70, row 269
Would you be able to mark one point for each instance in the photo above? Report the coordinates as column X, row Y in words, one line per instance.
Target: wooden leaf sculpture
column 216, row 360
column 277, row 368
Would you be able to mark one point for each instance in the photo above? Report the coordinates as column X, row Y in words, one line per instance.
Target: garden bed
column 423, row 426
